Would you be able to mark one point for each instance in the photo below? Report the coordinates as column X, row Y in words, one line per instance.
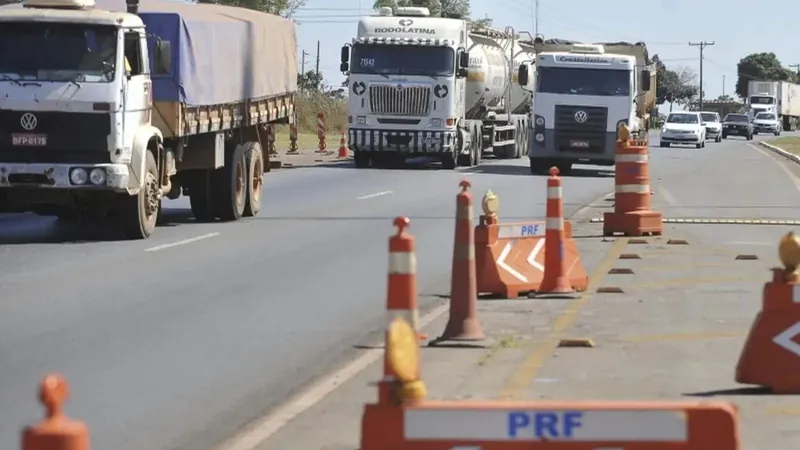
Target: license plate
column 579, row 144
column 30, row 140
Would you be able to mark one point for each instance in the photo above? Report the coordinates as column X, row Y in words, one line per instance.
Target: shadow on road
column 505, row 169
column 744, row 391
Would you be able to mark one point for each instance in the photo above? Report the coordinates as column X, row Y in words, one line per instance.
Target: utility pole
column 723, row 85
column 796, row 67
column 317, row 69
column 535, row 17
column 303, row 63
column 702, row 45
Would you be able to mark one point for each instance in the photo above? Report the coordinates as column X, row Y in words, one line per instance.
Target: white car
column 713, row 125
column 685, row 127
column 766, row 122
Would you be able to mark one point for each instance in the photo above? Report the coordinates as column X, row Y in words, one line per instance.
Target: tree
column 445, row 8
column 310, row 81
column 674, row 86
column 725, row 98
column 285, row 8
column 760, row 66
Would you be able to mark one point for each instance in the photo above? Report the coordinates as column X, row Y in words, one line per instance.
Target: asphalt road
column 177, row 341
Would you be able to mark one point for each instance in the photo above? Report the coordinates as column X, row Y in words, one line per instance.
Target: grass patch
column 790, row 144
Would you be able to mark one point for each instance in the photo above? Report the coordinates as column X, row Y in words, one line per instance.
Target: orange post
column 771, row 354
column 56, row 431
column 321, row 132
column 463, row 324
column 555, row 281
column 401, row 298
column 343, row 151
column 632, row 215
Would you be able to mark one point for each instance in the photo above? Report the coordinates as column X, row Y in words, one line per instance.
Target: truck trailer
column 778, row 97
column 109, row 107
column 583, row 93
column 431, row 86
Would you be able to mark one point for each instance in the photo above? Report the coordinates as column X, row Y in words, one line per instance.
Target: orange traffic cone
column 343, row 151
column 401, row 299
column 555, row 282
column 56, row 431
column 463, row 324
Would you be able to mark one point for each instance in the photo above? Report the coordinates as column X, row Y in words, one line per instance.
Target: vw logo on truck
column 581, row 116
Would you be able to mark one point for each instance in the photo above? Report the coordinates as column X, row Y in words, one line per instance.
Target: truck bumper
column 57, row 176
column 402, row 141
column 552, row 149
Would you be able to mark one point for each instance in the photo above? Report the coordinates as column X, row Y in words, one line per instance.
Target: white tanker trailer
column 430, row 86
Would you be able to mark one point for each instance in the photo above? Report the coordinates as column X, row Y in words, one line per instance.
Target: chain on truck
column 431, row 86
column 583, row 94
column 106, row 112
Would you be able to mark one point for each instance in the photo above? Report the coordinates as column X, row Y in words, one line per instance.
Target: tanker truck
column 431, row 86
column 584, row 92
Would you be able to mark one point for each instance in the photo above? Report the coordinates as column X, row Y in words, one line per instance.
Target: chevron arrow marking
column 786, row 339
column 501, row 262
column 535, row 253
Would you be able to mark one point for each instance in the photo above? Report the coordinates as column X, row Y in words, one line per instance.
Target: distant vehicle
column 737, row 125
column 683, row 127
column 781, row 98
column 713, row 125
column 767, row 122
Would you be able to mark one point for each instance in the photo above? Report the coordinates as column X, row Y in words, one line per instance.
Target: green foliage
column 316, row 96
column 760, row 66
column 285, row 8
column 448, row 8
column 673, row 86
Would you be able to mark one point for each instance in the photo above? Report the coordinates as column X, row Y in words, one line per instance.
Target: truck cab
column 581, row 97
column 76, row 101
column 762, row 102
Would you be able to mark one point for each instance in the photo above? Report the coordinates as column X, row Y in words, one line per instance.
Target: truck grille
column 71, row 137
column 399, row 100
column 574, row 135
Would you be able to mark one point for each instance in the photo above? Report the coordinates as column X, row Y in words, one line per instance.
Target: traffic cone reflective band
column 463, row 323
column 771, row 354
column 56, row 431
column 632, row 215
column 321, row 133
column 555, row 280
column 343, row 151
column 411, row 422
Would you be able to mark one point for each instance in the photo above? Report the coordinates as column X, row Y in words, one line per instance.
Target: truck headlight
column 539, row 121
column 436, row 123
column 78, row 176
column 98, row 177
column 539, row 137
column 361, row 120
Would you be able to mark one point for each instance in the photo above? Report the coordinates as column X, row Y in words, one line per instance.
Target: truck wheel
column 361, row 159
column 469, row 159
column 254, row 157
column 518, row 139
column 450, row 159
column 231, row 185
column 200, row 198
column 540, row 166
column 138, row 213
column 478, row 145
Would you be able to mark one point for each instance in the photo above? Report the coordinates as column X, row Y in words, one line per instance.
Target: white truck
column 430, row 86
column 105, row 112
column 778, row 97
column 583, row 93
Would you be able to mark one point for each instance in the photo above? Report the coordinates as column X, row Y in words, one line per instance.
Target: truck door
column 138, row 93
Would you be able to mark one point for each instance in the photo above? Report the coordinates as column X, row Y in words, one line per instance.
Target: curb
column 791, row 157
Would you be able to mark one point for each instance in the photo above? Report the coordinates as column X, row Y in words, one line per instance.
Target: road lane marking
column 769, row 154
column 263, row 429
column 519, row 381
column 377, row 194
column 183, row 242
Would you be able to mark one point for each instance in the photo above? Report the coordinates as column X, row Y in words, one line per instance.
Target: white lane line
column 769, row 154
column 668, row 196
column 264, row 428
column 183, row 242
column 377, row 194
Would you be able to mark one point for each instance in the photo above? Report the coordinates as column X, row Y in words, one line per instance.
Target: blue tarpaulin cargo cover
column 220, row 54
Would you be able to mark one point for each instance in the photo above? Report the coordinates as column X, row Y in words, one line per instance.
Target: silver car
column 713, row 125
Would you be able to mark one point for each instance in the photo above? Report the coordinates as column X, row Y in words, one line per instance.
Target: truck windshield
column 49, row 51
column 562, row 80
column 762, row 100
column 403, row 60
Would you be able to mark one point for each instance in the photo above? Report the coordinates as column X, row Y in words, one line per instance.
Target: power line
column 702, row 45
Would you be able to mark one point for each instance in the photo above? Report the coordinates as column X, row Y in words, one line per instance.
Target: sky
column 666, row 26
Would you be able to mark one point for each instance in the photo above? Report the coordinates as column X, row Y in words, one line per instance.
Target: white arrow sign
column 501, row 260
column 786, row 339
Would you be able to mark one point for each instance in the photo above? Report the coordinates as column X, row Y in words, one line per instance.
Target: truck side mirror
column 345, row 58
column 463, row 60
column 163, row 57
column 522, row 75
column 645, row 80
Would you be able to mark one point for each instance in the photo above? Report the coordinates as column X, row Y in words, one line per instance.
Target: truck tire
column 230, row 185
column 200, row 198
column 470, row 159
column 138, row 213
column 361, row 159
column 254, row 157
